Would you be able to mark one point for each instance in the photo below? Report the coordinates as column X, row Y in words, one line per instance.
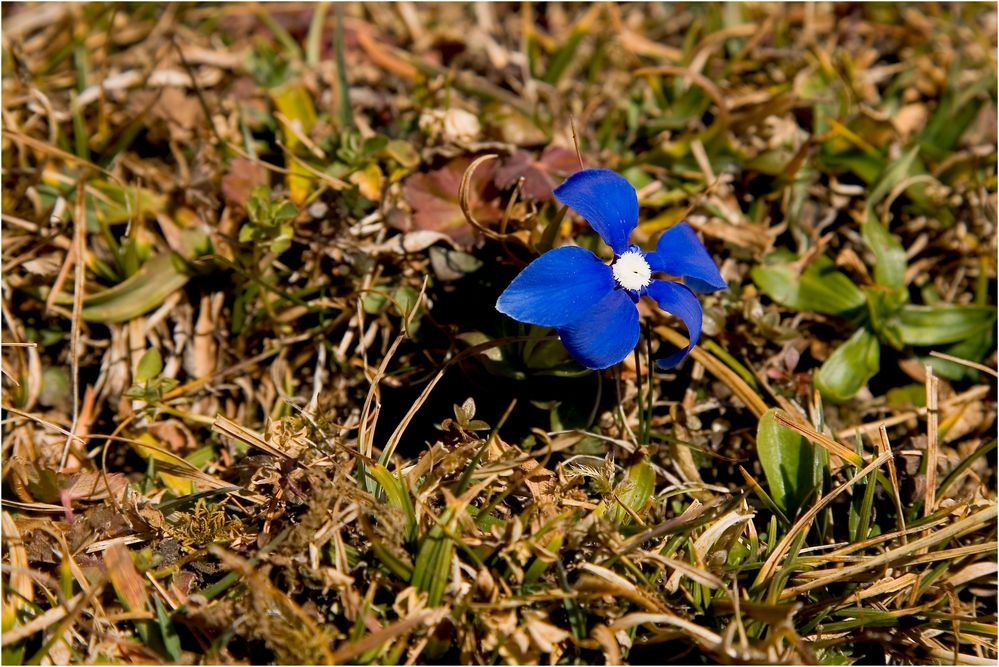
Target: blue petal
column 557, row 287
column 607, row 201
column 678, row 300
column 680, row 253
column 605, row 334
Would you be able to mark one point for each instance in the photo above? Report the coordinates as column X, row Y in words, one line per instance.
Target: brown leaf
column 181, row 113
column 91, row 485
column 125, row 577
column 909, row 119
column 434, row 199
column 239, row 181
column 174, row 434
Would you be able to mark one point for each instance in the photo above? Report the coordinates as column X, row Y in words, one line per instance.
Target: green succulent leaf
column 945, row 323
column 140, row 293
column 849, row 367
column 149, row 366
column 820, row 288
column 883, row 307
column 792, row 465
column 889, row 255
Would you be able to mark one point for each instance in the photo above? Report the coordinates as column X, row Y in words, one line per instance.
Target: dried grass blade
column 964, row 362
column 820, row 439
column 950, row 658
column 932, row 440
column 975, row 521
column 226, row 426
column 621, row 586
column 885, row 446
column 972, row 572
column 717, row 368
column 68, row 620
column 693, row 511
column 187, row 471
column 463, row 190
column 40, row 622
column 707, row 539
column 79, row 248
column 400, row 429
column 383, row 57
column 20, row 582
column 710, row 639
column 706, row 84
column 365, row 433
column 351, row 650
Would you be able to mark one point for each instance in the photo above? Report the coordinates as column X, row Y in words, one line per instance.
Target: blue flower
column 592, row 305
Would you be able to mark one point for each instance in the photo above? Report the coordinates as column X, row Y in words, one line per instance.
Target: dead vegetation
column 259, row 407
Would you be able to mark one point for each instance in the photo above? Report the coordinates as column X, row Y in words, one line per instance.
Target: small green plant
column 149, row 385
column 269, row 220
column 882, row 311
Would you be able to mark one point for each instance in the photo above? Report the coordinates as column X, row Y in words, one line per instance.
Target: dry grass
column 258, row 406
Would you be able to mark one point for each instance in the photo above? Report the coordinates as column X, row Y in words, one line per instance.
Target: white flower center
column 631, row 271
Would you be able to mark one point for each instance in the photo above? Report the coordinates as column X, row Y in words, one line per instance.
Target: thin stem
column 651, row 365
column 642, row 430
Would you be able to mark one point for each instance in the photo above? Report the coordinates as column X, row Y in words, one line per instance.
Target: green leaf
column 946, row 323
column 547, row 240
column 402, row 152
column 372, row 302
column 893, row 174
column 150, row 365
column 564, row 56
column 432, row 569
column 145, row 290
column 406, row 298
column 954, row 114
column 791, row 464
column 452, row 264
column 820, row 288
column 889, row 255
column 396, row 565
column 883, row 307
column 397, row 494
column 168, row 635
column 864, row 165
column 14, row 655
column 493, row 359
column 56, row 386
column 285, row 212
column 374, row 145
column 633, row 492
column 293, row 100
column 538, row 567
column 972, row 349
column 849, row 367
column 117, row 205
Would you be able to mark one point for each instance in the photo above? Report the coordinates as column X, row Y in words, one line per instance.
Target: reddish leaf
column 242, row 177
column 540, row 176
column 125, row 578
column 433, row 197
